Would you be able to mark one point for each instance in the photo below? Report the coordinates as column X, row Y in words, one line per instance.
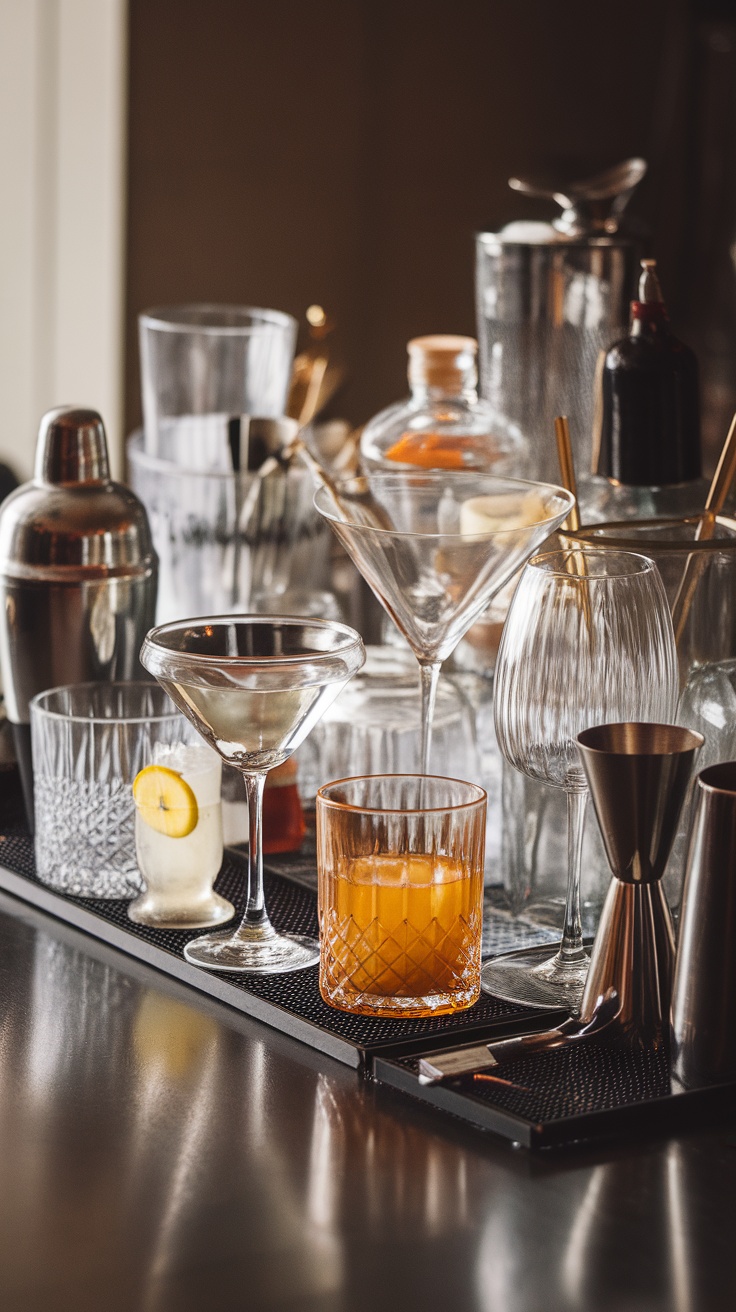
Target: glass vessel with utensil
column 253, row 687
column 588, row 640
column 203, row 363
column 435, row 547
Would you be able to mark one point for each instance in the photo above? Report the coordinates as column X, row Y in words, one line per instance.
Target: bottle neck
column 465, row 393
column 649, row 319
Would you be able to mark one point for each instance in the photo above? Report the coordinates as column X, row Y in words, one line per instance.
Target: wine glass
column 253, row 686
column 588, row 640
column 435, row 547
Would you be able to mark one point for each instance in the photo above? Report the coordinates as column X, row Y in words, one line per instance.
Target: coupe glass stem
column 571, row 947
column 255, row 904
column 430, row 673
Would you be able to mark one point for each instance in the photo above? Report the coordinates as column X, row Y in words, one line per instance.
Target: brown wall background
column 345, row 151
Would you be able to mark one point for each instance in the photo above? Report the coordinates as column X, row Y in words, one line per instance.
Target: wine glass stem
column 255, row 905
column 571, row 947
column 430, row 673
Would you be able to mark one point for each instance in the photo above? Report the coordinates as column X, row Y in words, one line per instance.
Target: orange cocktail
column 400, row 927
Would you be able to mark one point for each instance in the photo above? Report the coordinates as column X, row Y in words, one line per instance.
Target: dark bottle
column 647, row 439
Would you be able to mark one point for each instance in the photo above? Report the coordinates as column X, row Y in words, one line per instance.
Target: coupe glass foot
column 273, row 954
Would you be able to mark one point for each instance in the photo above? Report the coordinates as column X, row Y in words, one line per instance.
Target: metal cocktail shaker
column 78, row 574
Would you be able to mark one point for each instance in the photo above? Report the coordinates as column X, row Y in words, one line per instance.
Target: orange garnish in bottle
column 433, row 450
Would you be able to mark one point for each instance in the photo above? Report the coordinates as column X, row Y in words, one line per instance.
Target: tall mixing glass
column 436, row 547
column 253, row 687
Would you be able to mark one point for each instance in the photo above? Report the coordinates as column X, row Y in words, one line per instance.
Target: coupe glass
column 446, row 544
column 253, row 687
column 588, row 640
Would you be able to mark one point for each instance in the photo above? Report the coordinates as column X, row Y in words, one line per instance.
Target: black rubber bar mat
column 289, row 1002
column 567, row 1096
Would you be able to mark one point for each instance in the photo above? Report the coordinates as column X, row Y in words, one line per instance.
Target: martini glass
column 254, row 687
column 436, row 547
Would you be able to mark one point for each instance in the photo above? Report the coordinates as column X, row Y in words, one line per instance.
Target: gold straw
column 714, row 502
column 572, row 523
column 567, row 470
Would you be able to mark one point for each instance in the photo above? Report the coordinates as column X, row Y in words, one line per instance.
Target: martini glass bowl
column 253, row 686
column 436, row 547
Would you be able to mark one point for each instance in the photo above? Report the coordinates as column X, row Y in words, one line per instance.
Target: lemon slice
column 165, row 801
column 501, row 513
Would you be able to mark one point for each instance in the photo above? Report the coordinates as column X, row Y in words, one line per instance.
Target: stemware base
column 535, row 977
column 253, row 953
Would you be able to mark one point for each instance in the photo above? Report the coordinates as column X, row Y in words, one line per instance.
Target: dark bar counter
column 161, row 1152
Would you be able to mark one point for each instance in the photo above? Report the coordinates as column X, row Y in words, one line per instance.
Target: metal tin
column 78, row 571
column 703, row 1033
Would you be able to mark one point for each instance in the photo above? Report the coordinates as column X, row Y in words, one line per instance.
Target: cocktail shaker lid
column 71, row 448
column 72, row 522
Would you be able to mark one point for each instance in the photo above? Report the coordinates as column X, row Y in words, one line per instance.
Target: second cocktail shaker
column 78, row 574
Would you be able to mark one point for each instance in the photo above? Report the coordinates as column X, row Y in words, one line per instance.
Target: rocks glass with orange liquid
column 400, row 864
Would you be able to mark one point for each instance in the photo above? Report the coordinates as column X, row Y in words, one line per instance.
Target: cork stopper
column 444, row 362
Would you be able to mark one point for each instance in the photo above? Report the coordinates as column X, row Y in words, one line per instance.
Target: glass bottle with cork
column 443, row 424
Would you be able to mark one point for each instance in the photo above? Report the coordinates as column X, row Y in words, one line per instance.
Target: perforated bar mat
column 561, row 1097
column 289, row 1002
column 567, row 1096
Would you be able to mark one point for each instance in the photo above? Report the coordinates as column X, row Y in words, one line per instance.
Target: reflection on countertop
column 162, row 1153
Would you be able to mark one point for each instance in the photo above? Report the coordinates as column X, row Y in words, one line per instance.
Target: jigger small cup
column 638, row 776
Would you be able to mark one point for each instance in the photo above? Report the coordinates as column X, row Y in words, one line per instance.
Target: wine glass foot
column 274, row 954
column 536, row 978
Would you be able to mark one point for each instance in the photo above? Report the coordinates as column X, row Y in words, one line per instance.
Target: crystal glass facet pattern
column 400, row 865
column 89, row 742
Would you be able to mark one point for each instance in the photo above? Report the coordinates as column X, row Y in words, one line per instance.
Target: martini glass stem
column 255, row 904
column 430, row 673
column 571, row 946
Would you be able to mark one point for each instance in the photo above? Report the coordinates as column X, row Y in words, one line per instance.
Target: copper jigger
column 638, row 776
column 703, row 1035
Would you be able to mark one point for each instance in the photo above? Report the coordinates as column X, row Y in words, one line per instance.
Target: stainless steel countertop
column 161, row 1152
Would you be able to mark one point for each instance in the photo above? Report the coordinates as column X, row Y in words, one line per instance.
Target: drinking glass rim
column 451, row 474
column 122, row 684
column 157, row 316
column 688, row 546
column 135, row 450
column 251, row 662
column 401, row 810
column 645, row 564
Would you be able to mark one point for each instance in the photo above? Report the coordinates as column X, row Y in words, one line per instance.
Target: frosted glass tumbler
column 212, row 360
